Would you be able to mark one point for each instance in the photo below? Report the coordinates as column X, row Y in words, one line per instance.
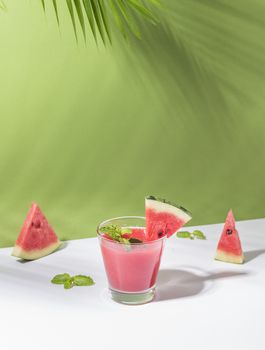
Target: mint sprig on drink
column 69, row 282
column 191, row 235
column 135, row 240
column 117, row 233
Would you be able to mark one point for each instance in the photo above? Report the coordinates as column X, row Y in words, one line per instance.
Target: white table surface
column 200, row 304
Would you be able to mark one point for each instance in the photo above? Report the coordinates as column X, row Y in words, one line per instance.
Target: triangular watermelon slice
column 229, row 246
column 163, row 218
column 36, row 238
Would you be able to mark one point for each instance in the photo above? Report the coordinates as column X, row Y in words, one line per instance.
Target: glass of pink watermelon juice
column 131, row 268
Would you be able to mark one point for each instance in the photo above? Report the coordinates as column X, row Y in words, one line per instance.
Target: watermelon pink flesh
column 138, row 233
column 229, row 247
column 36, row 238
column 161, row 224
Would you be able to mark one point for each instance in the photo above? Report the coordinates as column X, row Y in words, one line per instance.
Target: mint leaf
column 135, row 240
column 191, row 235
column 68, row 284
column 81, row 280
column 116, row 232
column 61, row 279
column 199, row 234
column 124, row 240
column 126, row 230
column 113, row 231
column 183, row 234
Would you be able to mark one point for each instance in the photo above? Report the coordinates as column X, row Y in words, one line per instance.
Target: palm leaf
column 90, row 17
column 2, row 5
column 102, row 14
column 104, row 17
column 56, row 10
column 43, row 4
column 71, row 11
column 118, row 19
column 138, row 6
column 129, row 20
column 97, row 16
column 79, row 11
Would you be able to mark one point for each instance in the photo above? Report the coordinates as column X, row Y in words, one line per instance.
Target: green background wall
column 88, row 131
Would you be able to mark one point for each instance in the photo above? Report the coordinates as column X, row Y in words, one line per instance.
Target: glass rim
column 101, row 235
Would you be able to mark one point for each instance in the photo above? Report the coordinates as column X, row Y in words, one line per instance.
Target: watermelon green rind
column 35, row 253
column 228, row 257
column 162, row 200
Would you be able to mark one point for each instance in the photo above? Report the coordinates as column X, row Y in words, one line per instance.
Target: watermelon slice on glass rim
column 229, row 247
column 36, row 238
column 163, row 218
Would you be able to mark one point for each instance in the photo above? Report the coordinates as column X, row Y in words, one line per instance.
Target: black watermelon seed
column 37, row 223
column 229, row 232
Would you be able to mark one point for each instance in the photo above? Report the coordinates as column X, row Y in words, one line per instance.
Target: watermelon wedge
column 163, row 218
column 36, row 238
column 229, row 246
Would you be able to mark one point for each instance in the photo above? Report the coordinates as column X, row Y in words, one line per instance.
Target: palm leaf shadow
column 205, row 55
column 179, row 74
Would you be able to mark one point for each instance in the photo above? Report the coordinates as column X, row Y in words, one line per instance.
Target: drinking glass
column 131, row 269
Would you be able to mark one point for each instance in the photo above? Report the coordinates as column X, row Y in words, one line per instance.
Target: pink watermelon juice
column 131, row 268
